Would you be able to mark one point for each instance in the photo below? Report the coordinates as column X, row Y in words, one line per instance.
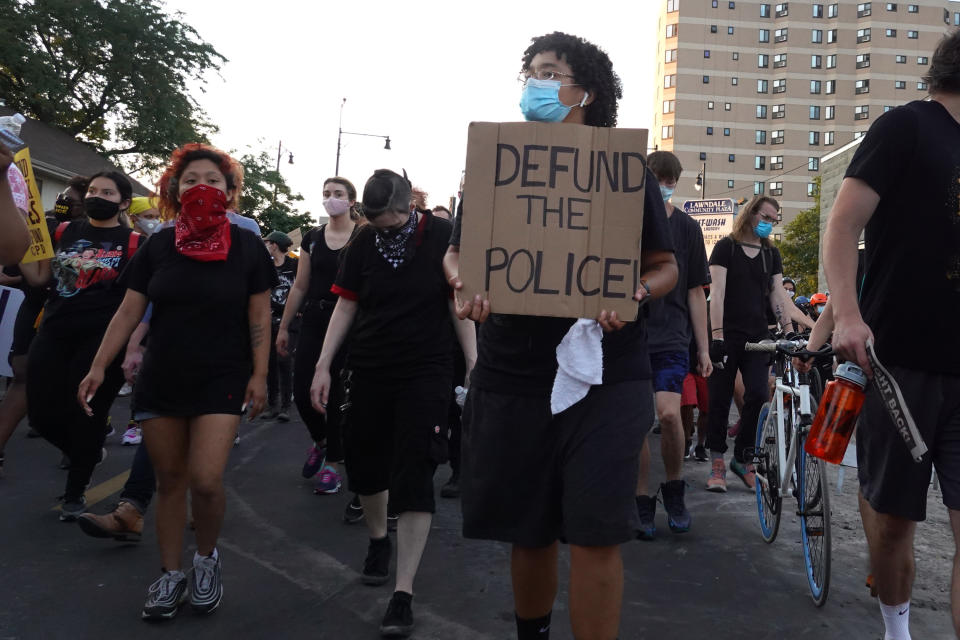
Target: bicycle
column 783, row 468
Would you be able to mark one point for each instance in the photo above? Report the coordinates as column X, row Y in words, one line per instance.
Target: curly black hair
column 592, row 69
column 944, row 74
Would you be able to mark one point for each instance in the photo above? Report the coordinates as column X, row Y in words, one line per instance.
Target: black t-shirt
column 668, row 326
column 402, row 327
column 747, row 292
column 87, row 261
column 286, row 274
column 200, row 328
column 518, row 354
column 324, row 263
column 911, row 158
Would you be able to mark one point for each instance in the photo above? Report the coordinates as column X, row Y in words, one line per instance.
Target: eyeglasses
column 545, row 74
column 774, row 220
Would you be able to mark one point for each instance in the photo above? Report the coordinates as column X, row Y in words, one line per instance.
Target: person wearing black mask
column 89, row 255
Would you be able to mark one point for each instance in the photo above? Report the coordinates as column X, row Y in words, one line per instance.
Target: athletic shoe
column 236, row 440
column 165, row 596
column 392, row 521
column 133, row 435
column 376, row 566
column 700, row 453
column 316, row 458
column 125, row 390
column 734, row 430
column 646, row 509
column 656, row 429
column 109, row 430
column 745, row 472
column 687, row 449
column 717, row 482
column 103, row 455
column 72, row 508
column 124, row 523
column 398, row 621
column 207, row 588
column 452, row 488
column 328, row 481
column 678, row 518
column 283, row 415
column 354, row 511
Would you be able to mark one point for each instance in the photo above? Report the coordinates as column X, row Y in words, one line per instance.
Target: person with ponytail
column 205, row 361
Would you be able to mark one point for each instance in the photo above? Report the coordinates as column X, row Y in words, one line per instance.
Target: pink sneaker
column 745, row 472
column 733, row 431
column 316, row 458
column 717, row 482
column 328, row 481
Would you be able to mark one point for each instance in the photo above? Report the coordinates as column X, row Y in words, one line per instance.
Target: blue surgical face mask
column 666, row 192
column 763, row 229
column 540, row 101
column 820, row 308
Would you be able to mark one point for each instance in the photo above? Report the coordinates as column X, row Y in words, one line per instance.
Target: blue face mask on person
column 820, row 308
column 666, row 192
column 540, row 101
column 763, row 229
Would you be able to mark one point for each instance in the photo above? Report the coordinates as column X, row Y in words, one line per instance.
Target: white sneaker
column 236, row 441
column 125, row 390
column 132, row 436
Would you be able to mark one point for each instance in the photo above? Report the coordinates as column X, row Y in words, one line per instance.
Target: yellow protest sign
column 40, row 246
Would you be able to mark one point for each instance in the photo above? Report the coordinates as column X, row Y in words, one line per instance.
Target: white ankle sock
column 197, row 557
column 896, row 619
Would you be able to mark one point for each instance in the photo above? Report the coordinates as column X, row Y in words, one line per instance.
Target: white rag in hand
column 579, row 364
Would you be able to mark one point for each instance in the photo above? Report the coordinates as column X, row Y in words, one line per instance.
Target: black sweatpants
column 755, row 368
column 313, row 328
column 58, row 361
column 280, row 371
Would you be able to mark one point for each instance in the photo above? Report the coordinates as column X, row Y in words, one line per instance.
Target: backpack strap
column 132, row 243
column 59, row 232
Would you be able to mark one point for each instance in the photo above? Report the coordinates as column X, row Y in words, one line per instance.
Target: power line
column 779, row 175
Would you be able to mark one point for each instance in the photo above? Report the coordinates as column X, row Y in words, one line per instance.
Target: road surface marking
column 103, row 490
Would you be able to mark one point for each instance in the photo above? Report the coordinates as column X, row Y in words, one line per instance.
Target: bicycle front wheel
column 767, row 463
column 813, row 497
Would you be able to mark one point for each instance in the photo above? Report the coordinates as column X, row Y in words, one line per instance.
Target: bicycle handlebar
column 789, row 348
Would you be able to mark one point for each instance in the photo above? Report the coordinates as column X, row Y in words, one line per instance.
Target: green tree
column 267, row 197
column 800, row 246
column 114, row 73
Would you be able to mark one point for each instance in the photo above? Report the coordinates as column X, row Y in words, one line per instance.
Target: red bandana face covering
column 202, row 228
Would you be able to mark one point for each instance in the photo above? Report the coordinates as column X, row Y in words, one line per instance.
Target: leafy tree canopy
column 267, row 197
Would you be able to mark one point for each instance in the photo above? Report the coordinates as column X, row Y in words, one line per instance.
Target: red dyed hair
column 168, row 186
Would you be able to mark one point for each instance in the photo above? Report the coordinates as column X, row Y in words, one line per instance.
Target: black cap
column 279, row 238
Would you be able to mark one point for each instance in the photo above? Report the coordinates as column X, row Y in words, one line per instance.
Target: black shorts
column 395, row 435
column 530, row 478
column 889, row 478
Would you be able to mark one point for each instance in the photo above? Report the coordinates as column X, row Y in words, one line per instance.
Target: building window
column 706, row 53
column 813, row 164
column 776, row 163
column 669, row 106
column 863, row 60
column 764, row 11
column 912, row 8
column 946, row 17
column 672, row 5
column 780, row 35
column 816, row 62
column 887, row 107
column 727, row 106
column 666, row 132
column 921, row 59
column 779, row 111
column 779, row 60
column 829, row 112
column 672, row 30
column 761, row 86
column 817, row 10
column 726, row 131
column 863, row 10
column 735, row 55
column 814, row 86
column 891, row 33
column 831, row 36
column 670, row 81
column 706, row 79
column 776, row 188
column 729, row 184
column 782, row 9
column 758, row 188
column 901, row 59
column 760, row 137
column 858, row 134
column 776, row 137
column 703, row 155
column 671, row 56
column 956, row 19
column 763, row 61
column 863, row 35
column 713, row 28
column 810, row 188
column 922, row 86
column 764, row 35
column 779, row 86
column 833, row 10
column 814, row 112
column 759, row 163
column 831, row 87
column 861, row 112
column 729, row 31
column 710, row 104
column 714, row 3
column 861, row 86
column 816, row 36
column 732, row 157
column 732, row 5
column 828, row 138
column 913, row 35
column 762, row 111
column 734, row 81
column 709, row 131
column 900, row 84
column 813, row 138
column 832, row 61
column 891, row 6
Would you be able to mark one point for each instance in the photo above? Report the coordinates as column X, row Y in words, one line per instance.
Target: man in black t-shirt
column 903, row 188
column 280, row 372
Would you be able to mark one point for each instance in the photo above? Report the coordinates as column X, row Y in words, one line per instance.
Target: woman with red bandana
column 205, row 362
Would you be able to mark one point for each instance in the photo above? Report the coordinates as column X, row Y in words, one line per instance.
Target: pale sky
column 419, row 71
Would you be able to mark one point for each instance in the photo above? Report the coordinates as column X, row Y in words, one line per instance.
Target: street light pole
column 341, row 132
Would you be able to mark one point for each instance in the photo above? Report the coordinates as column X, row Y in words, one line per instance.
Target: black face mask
column 62, row 209
column 100, row 209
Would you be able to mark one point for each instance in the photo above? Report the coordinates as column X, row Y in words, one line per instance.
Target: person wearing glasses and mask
column 747, row 275
column 144, row 215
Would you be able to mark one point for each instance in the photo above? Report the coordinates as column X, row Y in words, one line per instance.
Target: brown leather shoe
column 124, row 523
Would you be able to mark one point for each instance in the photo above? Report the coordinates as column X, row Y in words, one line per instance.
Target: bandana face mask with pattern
column 202, row 228
column 395, row 245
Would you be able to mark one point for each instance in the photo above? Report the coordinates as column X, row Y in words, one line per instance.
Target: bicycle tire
column 769, row 502
column 813, row 500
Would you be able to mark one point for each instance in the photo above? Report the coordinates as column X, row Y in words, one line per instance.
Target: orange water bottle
column 837, row 415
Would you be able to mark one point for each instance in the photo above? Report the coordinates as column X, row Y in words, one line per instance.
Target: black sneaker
column 700, row 453
column 207, row 588
column 398, row 620
column 647, row 510
column 354, row 511
column 376, row 566
column 72, row 508
column 452, row 488
column 165, row 596
column 392, row 521
column 283, row 415
column 678, row 518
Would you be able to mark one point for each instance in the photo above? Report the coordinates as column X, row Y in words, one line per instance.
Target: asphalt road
column 291, row 566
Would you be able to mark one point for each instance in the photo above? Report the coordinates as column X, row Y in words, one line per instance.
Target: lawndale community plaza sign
column 715, row 218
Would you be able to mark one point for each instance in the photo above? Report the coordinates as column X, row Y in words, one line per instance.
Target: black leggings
column 280, row 372
column 312, row 331
column 56, row 365
column 755, row 368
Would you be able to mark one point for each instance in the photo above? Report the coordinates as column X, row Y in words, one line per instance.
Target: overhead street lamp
column 341, row 133
column 701, row 183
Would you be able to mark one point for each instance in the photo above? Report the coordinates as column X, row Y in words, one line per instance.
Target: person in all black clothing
column 397, row 303
column 89, row 256
column 531, row 478
column 747, row 284
column 205, row 363
column 280, row 375
column 311, row 297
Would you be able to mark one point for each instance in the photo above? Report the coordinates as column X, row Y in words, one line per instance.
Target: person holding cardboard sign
column 530, row 477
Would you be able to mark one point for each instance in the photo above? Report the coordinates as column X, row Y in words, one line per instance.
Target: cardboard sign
column 552, row 218
column 10, row 300
column 714, row 226
column 41, row 248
